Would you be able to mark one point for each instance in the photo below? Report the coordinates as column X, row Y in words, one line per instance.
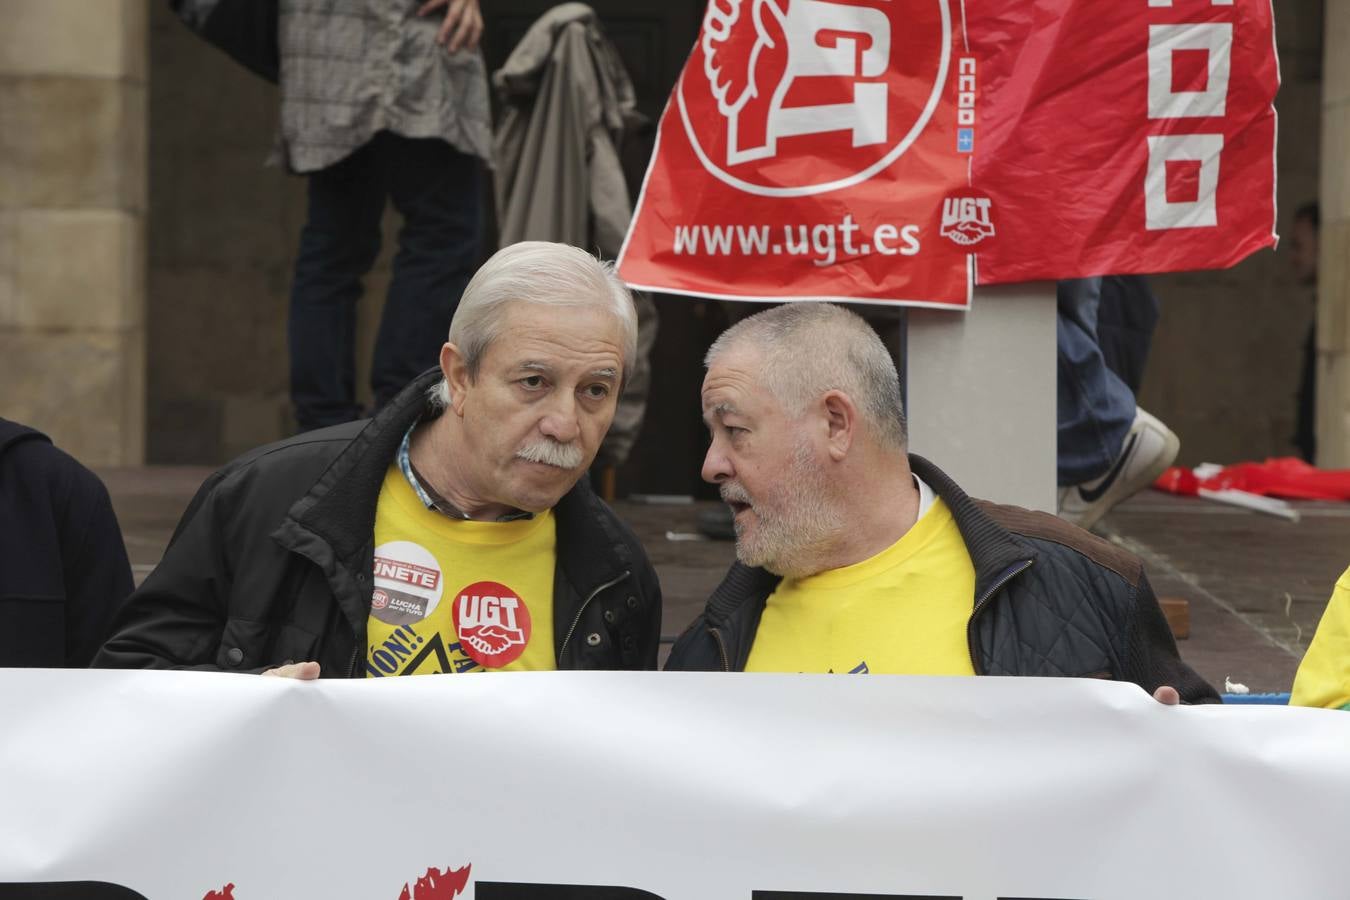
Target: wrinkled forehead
column 734, row 385
column 575, row 335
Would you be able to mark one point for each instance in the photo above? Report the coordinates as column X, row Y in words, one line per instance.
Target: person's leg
column 437, row 190
column 1095, row 408
column 1126, row 320
column 338, row 245
column 1109, row 449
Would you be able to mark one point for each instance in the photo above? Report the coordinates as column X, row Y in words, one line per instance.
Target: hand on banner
column 1167, row 695
column 301, row 671
column 463, row 24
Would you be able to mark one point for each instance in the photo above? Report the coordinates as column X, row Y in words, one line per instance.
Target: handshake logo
column 492, row 622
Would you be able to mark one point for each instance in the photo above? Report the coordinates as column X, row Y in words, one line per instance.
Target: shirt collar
column 427, row 494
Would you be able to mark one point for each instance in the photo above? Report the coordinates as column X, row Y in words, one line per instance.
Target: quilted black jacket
column 1050, row 600
column 273, row 562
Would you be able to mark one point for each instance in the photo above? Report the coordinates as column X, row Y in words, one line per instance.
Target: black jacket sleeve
column 175, row 618
column 1151, row 656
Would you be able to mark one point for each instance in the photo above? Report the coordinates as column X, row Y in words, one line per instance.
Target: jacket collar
column 340, row 507
column 993, row 549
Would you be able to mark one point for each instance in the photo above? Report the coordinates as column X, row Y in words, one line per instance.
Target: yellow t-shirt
column 901, row 612
column 1323, row 677
column 457, row 596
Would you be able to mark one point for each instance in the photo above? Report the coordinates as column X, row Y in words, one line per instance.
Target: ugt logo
column 965, row 219
column 794, row 97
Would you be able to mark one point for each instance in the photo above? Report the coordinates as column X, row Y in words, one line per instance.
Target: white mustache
column 732, row 492
column 551, row 453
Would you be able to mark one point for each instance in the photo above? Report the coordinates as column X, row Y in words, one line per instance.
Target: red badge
column 493, row 623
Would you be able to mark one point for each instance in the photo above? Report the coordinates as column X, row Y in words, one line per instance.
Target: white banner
column 180, row 786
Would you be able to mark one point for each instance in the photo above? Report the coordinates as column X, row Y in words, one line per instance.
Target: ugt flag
column 903, row 151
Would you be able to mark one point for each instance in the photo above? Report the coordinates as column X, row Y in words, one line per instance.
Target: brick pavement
column 1256, row 584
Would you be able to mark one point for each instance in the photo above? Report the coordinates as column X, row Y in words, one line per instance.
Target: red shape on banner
column 437, row 885
column 225, row 893
column 1190, row 70
column 1183, row 181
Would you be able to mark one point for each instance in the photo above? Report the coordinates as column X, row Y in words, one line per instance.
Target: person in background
column 381, row 100
column 63, row 564
column 1304, row 249
column 1323, row 677
column 1108, row 448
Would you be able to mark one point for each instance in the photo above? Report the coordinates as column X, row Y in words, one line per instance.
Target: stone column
column 72, row 223
column 981, row 393
column 1333, row 285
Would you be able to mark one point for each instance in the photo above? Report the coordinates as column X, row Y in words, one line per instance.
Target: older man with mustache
column 452, row 533
column 856, row 556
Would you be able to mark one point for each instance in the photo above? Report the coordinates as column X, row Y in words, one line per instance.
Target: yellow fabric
column 425, row 561
column 1323, row 677
column 903, row 611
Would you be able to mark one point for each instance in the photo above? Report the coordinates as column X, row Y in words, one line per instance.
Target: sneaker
column 1149, row 448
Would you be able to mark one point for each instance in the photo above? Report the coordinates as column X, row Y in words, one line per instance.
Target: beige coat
column 567, row 102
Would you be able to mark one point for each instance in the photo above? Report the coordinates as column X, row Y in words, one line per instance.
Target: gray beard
column 802, row 526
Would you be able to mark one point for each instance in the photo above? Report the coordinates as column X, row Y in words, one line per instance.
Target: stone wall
column 72, row 223
column 1225, row 364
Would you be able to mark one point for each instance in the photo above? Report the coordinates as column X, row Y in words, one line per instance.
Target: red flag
column 883, row 151
column 1125, row 137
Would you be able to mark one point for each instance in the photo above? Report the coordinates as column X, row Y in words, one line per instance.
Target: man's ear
column 841, row 421
column 456, row 372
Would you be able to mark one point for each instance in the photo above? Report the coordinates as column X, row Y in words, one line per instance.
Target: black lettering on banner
column 68, row 890
column 831, row 895
column 511, row 890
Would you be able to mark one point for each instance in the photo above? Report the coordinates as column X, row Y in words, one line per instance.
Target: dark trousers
column 436, row 190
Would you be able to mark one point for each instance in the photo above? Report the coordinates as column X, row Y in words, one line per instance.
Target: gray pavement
column 1256, row 585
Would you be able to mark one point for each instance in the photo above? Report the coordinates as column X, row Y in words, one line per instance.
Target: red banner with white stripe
column 902, row 151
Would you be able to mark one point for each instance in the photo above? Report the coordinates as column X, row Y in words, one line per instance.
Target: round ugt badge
column 408, row 583
column 493, row 623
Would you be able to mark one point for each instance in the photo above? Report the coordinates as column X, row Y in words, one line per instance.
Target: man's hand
column 301, row 671
column 463, row 24
column 1167, row 695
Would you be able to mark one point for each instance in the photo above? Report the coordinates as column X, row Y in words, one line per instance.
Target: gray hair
column 810, row 348
column 542, row 273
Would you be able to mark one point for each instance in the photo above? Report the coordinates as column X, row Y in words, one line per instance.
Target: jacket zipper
column 979, row 604
column 722, row 649
column 562, row 652
column 351, row 667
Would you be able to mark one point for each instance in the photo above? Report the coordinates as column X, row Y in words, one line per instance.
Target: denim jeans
column 1095, row 408
column 436, row 190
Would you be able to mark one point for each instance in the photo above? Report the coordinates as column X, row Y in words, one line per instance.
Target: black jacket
column 1050, row 599
column 273, row 562
column 63, row 566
